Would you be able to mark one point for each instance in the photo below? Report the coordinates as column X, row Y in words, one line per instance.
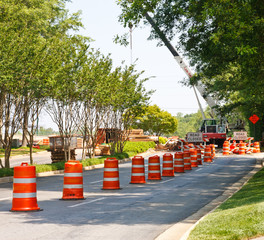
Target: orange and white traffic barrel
column 138, row 170
column 24, row 189
column 213, row 150
column 111, row 174
column 187, row 160
column 207, row 154
column 73, row 181
column 199, row 156
column 256, row 147
column 242, row 148
column 154, row 168
column 178, row 162
column 226, row 148
column 167, row 167
column 193, row 155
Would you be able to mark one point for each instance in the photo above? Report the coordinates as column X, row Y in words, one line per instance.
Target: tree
column 223, row 40
column 155, row 121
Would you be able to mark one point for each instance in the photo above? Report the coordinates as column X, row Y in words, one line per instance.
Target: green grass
column 23, row 150
column 240, row 217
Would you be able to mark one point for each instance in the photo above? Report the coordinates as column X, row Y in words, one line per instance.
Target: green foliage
column 156, row 121
column 162, row 140
column 46, row 131
column 240, row 217
column 5, row 172
column 138, row 147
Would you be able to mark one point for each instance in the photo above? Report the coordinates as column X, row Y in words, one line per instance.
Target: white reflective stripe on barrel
column 111, row 179
column 138, row 174
column 179, row 166
column 167, row 161
column 24, row 180
column 187, row 163
column 137, row 166
column 25, row 195
column 73, row 174
column 167, row 168
column 154, row 164
column 111, row 169
column 72, row 186
column 154, row 171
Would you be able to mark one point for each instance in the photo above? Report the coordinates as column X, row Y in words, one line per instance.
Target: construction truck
column 214, row 131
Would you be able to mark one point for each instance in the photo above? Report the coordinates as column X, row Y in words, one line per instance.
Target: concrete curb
column 181, row 230
column 51, row 173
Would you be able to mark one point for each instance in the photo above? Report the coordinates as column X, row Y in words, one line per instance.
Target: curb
column 182, row 229
column 87, row 168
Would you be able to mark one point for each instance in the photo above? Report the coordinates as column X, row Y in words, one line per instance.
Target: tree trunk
column 25, row 123
column 31, row 149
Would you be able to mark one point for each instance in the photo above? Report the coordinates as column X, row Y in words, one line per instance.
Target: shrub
column 138, row 147
column 162, row 140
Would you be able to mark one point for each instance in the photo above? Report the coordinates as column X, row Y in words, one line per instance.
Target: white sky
column 100, row 19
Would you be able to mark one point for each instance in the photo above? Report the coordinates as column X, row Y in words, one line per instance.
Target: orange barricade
column 138, row 170
column 207, row 154
column 193, row 155
column 111, row 174
column 154, row 168
column 24, row 189
column 199, row 156
column 256, row 147
column 46, row 141
column 73, row 181
column 226, row 148
column 187, row 160
column 178, row 162
column 167, row 167
column 242, row 148
column 212, row 150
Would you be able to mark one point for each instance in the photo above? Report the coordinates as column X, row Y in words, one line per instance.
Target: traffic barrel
column 187, row 160
column 207, row 154
column 24, row 189
column 213, row 150
column 73, row 181
column 256, row 147
column 242, row 148
column 199, row 156
column 138, row 170
column 154, row 168
column 111, row 174
column 178, row 162
column 167, row 167
column 226, row 148
column 193, row 155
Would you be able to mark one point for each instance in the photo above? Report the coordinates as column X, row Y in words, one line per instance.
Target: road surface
column 137, row 211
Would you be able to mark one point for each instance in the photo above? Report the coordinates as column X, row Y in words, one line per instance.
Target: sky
column 100, row 20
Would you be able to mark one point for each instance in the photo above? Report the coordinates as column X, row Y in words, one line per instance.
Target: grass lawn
column 22, row 151
column 240, row 217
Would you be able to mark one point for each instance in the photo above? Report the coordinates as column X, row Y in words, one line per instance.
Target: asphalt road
column 137, row 211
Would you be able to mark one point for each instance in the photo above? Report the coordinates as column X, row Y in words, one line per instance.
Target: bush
column 138, row 147
column 162, row 140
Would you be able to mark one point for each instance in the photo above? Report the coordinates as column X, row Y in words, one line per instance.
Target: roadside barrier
column 154, row 168
column 193, row 155
column 111, row 174
column 213, row 150
column 226, row 148
column 73, row 181
column 178, row 162
column 187, row 160
column 24, row 189
column 256, row 147
column 207, row 154
column 199, row 156
column 138, row 170
column 242, row 149
column 167, row 167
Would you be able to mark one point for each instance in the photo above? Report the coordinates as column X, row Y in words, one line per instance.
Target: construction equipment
column 212, row 130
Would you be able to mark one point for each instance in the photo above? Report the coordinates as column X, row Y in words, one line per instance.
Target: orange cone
column 73, row 181
column 138, row 170
column 154, row 168
column 193, row 155
column 178, row 162
column 111, row 174
column 24, row 189
column 167, row 167
column 226, row 148
column 187, row 160
column 199, row 156
column 207, row 154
